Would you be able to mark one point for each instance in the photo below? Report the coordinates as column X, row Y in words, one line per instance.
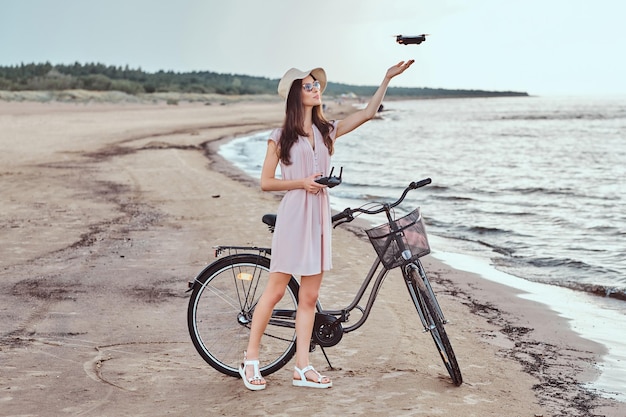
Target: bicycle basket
column 411, row 230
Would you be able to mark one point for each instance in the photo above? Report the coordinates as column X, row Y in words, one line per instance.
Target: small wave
column 498, row 249
column 453, row 198
column 445, row 230
column 562, row 116
column 560, row 269
column 595, row 289
column 438, row 188
column 512, row 213
column 481, row 230
column 565, row 191
column 367, row 193
column 542, row 190
column 517, row 135
column 608, row 230
column 556, row 262
column 471, row 233
column 367, row 186
column 518, row 266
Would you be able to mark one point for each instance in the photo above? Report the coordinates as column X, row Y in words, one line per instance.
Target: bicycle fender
column 191, row 285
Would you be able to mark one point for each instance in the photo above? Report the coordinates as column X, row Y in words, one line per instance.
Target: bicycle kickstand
column 312, row 347
column 327, row 360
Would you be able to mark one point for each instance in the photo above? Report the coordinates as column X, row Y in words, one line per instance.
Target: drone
column 408, row 40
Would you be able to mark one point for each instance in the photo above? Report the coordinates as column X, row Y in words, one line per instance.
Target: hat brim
column 295, row 74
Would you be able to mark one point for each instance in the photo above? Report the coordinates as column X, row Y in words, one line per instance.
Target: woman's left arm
column 356, row 119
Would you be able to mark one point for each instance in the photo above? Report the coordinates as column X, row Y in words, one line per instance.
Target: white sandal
column 256, row 377
column 304, row 382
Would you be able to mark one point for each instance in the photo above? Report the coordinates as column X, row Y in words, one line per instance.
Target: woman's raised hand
column 399, row 68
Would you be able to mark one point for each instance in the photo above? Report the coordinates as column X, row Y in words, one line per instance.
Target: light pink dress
column 301, row 244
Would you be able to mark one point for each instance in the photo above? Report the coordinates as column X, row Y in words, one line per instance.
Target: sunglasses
column 308, row 87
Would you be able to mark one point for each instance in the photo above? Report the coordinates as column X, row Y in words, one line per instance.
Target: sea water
column 527, row 191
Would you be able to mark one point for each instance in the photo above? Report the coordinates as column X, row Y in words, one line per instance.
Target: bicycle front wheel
column 220, row 312
column 426, row 304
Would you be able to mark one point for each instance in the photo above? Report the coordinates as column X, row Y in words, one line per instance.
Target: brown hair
column 294, row 120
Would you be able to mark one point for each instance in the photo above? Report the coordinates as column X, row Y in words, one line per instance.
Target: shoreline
column 582, row 312
column 131, row 206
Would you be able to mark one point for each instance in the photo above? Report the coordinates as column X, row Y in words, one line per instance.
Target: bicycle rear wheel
column 426, row 303
column 220, row 311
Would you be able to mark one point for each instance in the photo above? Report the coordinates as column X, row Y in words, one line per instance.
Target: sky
column 543, row 47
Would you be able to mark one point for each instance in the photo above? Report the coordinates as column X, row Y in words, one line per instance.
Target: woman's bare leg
column 305, row 319
column 262, row 313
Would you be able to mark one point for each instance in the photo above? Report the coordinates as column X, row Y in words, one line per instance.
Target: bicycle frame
column 374, row 293
column 345, row 312
column 286, row 318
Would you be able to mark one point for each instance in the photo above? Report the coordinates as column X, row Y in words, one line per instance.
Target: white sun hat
column 295, row 74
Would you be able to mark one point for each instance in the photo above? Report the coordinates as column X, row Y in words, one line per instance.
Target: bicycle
column 224, row 294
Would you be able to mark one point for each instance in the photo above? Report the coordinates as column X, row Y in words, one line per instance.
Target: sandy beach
column 108, row 210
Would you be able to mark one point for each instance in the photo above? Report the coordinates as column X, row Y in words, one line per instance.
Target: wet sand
column 109, row 209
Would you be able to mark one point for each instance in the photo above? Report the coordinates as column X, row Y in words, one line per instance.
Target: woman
column 301, row 244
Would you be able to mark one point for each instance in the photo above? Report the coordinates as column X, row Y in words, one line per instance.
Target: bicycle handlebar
column 347, row 215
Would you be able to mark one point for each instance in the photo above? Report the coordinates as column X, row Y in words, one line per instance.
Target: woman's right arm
column 269, row 182
column 357, row 118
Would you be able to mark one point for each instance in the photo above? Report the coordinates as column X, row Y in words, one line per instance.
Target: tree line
column 100, row 77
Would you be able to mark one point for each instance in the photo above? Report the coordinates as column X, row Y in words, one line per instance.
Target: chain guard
column 327, row 330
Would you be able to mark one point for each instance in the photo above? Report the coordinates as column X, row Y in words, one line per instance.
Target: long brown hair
column 293, row 127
